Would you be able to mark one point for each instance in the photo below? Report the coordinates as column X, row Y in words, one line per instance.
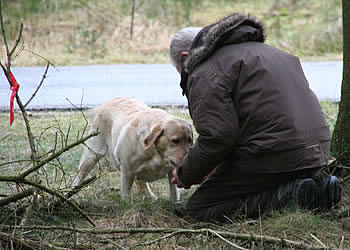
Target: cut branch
column 21, row 178
column 16, row 197
column 56, row 155
column 249, row 237
column 27, row 243
column 78, row 188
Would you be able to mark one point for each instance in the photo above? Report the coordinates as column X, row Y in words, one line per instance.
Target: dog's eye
column 189, row 140
column 175, row 140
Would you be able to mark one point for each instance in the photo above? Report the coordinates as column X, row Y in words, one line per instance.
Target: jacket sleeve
column 215, row 119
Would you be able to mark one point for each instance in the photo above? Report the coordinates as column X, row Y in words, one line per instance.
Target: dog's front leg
column 174, row 192
column 126, row 181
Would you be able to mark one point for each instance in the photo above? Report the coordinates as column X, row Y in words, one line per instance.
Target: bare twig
column 223, row 239
column 3, row 33
column 16, row 197
column 83, row 184
column 151, row 242
column 345, row 179
column 39, row 86
column 57, row 194
column 21, row 178
column 248, row 237
column 113, row 243
column 86, row 120
column 17, row 40
column 55, row 155
column 36, row 54
column 15, row 179
column 13, row 162
column 344, row 214
column 35, row 158
column 49, row 191
column 318, row 240
column 24, row 113
column 27, row 243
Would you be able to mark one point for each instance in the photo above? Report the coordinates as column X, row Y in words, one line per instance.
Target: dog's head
column 172, row 139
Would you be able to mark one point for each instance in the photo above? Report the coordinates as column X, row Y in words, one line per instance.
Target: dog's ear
column 156, row 131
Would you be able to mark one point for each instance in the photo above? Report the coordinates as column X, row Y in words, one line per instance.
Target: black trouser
column 226, row 194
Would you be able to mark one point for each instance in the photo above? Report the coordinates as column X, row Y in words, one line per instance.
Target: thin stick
column 57, row 194
column 17, row 40
column 81, row 111
column 344, row 214
column 55, row 155
column 16, row 197
column 3, row 33
column 156, row 240
column 16, row 179
column 251, row 237
column 39, row 86
column 34, row 155
column 318, row 240
column 27, row 242
column 36, row 54
column 81, row 186
column 13, row 162
column 228, row 242
column 345, row 179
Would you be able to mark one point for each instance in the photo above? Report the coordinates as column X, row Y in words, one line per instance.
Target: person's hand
column 176, row 180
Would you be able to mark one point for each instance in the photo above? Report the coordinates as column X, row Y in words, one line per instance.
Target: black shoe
column 301, row 193
column 180, row 209
column 330, row 192
column 306, row 193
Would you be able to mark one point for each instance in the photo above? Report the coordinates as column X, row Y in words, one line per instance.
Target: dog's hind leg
column 87, row 163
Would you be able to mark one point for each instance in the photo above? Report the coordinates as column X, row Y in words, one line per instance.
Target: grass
column 102, row 200
column 91, row 32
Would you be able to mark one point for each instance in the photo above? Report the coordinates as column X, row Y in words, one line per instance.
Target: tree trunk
column 340, row 146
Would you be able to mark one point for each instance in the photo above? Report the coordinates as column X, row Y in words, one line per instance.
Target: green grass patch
column 331, row 111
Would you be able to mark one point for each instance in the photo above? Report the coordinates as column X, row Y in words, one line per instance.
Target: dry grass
column 92, row 32
column 102, row 202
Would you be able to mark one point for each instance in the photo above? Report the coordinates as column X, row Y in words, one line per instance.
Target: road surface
column 154, row 84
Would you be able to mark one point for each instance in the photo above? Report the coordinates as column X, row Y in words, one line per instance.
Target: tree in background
column 340, row 146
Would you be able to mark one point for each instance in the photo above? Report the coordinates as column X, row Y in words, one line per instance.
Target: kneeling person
column 260, row 126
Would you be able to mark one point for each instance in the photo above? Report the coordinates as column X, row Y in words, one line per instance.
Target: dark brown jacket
column 250, row 103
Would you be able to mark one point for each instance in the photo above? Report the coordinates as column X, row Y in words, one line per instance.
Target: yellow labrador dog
column 146, row 143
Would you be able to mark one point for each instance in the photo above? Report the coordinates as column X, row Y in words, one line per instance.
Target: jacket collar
column 236, row 28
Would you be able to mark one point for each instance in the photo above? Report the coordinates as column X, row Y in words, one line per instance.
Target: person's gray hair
column 182, row 41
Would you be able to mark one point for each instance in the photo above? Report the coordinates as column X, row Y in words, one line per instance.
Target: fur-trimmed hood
column 236, row 28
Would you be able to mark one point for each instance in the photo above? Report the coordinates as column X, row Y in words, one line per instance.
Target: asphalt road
column 154, row 84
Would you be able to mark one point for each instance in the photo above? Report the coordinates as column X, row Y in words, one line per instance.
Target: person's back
column 276, row 110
